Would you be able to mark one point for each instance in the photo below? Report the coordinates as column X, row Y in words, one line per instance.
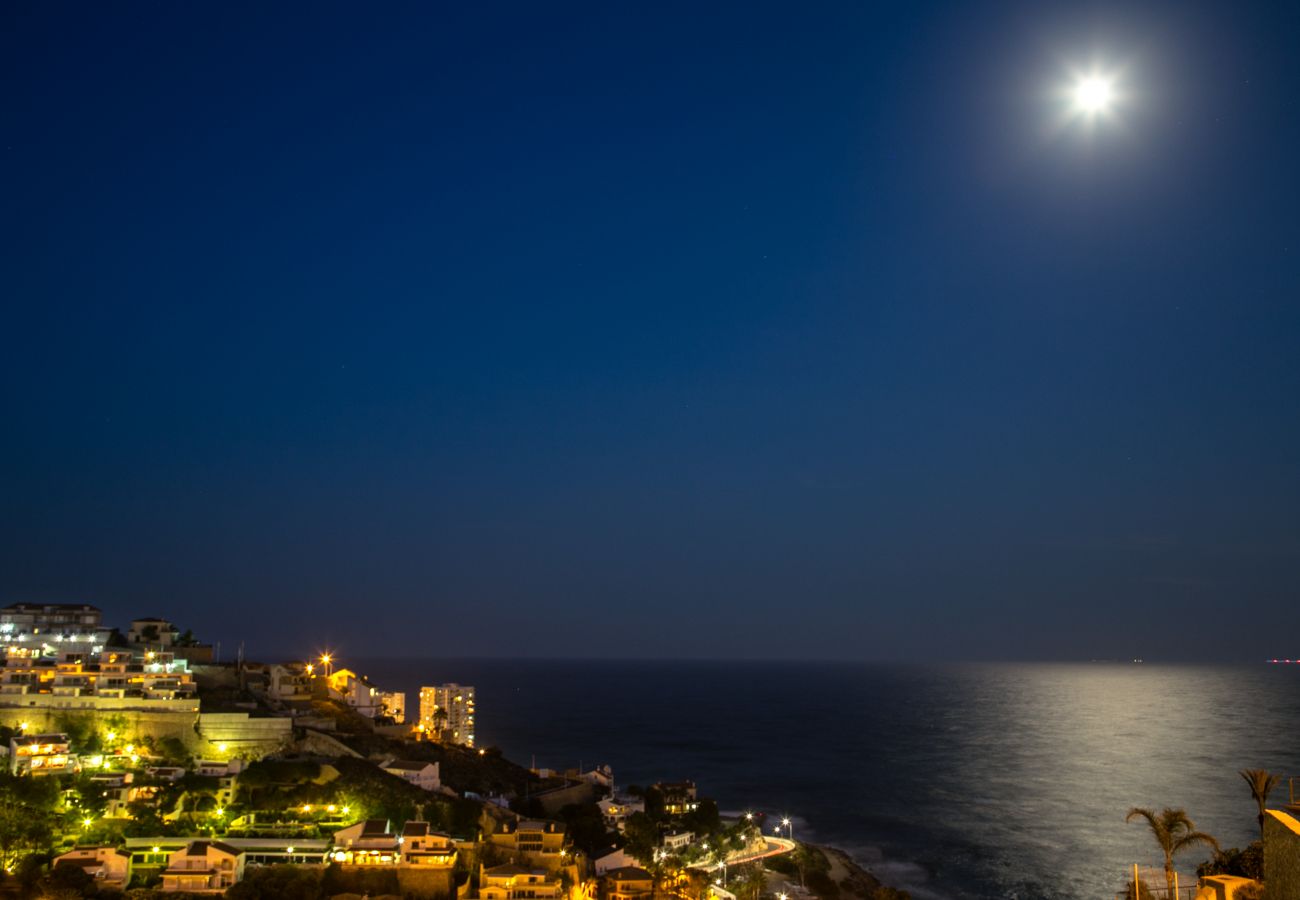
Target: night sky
column 792, row 330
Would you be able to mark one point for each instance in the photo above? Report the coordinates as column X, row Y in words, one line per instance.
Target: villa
column 203, row 867
column 534, row 842
column 41, row 754
column 512, row 882
column 110, row 867
column 627, row 883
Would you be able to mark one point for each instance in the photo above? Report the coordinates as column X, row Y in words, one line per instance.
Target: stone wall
column 243, row 735
column 138, row 723
column 203, row 734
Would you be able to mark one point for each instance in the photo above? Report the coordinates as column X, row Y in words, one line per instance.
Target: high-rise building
column 447, row 713
column 393, row 704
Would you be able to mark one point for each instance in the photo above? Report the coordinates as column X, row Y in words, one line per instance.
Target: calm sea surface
column 962, row 781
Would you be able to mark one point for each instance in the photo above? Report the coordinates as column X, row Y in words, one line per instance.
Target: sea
column 953, row 782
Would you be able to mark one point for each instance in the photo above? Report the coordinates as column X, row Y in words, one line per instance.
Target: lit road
column 775, row 846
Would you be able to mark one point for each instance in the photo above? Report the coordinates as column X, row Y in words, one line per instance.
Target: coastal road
column 775, row 846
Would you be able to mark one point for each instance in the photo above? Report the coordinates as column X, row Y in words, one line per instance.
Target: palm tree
column 1261, row 782
column 1174, row 832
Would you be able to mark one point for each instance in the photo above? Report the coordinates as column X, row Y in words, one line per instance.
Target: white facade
column 43, row 629
column 423, row 775
column 108, row 866
column 203, row 867
column 677, row 840
column 617, row 809
column 354, row 690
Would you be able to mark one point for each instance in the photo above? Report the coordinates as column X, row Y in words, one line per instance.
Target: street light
column 789, row 828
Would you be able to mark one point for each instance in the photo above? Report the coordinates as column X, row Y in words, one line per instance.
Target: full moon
column 1093, row 95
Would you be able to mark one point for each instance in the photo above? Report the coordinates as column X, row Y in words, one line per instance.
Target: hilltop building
column 289, row 683
column 152, row 633
column 108, row 680
column 447, row 713
column 42, row 629
column 679, row 797
column 354, row 690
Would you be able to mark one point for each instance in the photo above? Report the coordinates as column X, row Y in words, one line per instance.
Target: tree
column 1261, row 783
column 1174, row 832
column 278, row 883
column 67, row 880
column 26, row 817
column 1246, row 863
column 752, row 881
column 642, row 836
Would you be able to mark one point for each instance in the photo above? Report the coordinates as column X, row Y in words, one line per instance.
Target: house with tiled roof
column 627, row 883
column 422, row 846
column 203, row 867
column 110, row 867
column 423, row 775
column 513, row 882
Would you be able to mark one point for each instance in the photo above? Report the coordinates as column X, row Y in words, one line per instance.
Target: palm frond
column 1192, row 839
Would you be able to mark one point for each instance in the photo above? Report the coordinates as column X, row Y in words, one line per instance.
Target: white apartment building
column 447, row 713
column 393, row 704
column 43, row 629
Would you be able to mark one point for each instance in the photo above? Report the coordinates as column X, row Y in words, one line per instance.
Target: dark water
column 962, row 781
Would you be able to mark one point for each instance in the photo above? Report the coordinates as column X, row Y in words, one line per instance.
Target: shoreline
column 848, row 877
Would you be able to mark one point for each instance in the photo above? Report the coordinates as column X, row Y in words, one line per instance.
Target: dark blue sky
column 666, row 330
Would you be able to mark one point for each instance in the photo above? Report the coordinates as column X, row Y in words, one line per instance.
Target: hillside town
column 139, row 762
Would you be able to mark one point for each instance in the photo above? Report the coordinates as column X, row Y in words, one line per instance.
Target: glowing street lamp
column 789, row 826
column 327, row 661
